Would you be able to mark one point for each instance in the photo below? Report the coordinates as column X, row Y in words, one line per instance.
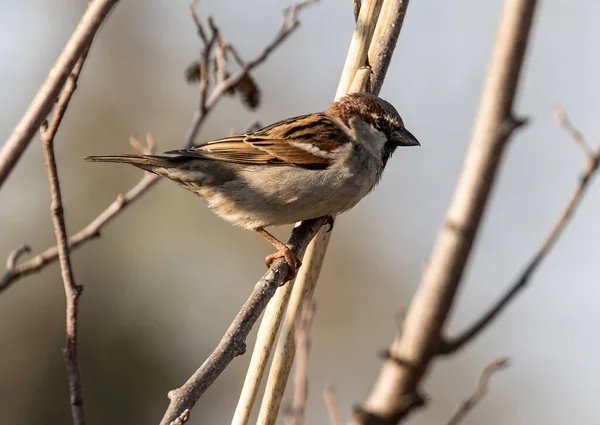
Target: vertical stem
column 412, row 351
column 72, row 290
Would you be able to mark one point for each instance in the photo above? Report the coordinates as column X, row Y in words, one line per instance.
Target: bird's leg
column 283, row 250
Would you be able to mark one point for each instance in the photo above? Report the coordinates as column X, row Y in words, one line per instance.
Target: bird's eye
column 380, row 124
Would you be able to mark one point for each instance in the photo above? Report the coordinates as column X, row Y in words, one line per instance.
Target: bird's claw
column 290, row 258
column 329, row 220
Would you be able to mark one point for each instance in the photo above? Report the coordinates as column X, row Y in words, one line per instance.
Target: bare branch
column 333, row 407
column 412, row 351
column 72, row 290
column 482, row 388
column 289, row 24
column 265, row 337
column 359, row 46
column 295, row 412
column 563, row 120
column 386, row 34
column 450, row 346
column 233, row 342
column 45, row 97
column 89, row 232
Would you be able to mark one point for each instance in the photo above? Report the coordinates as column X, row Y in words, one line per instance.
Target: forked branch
column 592, row 161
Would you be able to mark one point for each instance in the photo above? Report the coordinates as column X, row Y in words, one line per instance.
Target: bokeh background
column 158, row 295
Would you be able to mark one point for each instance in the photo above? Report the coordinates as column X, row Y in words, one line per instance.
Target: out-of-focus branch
column 233, row 342
column 72, row 290
column 359, row 45
column 45, row 97
column 294, row 415
column 92, row 230
column 482, row 388
column 412, row 351
column 356, row 8
column 333, row 407
column 289, row 24
column 386, row 34
column 451, row 345
column 308, row 275
column 16, row 271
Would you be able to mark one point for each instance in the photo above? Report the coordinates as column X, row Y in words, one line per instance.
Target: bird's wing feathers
column 289, row 142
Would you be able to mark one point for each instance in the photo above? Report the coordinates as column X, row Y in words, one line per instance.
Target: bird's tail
column 145, row 162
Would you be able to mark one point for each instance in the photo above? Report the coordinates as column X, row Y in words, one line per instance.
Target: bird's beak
column 404, row 138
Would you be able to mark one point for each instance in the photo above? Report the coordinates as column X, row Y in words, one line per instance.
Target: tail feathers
column 145, row 162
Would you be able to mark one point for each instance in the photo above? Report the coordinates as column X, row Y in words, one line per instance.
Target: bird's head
column 373, row 121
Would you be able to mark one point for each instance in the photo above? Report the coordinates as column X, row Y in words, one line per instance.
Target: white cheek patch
column 373, row 139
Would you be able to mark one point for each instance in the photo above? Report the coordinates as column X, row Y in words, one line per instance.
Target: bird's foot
column 330, row 221
column 290, row 258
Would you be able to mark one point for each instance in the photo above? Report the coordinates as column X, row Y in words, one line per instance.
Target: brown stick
column 482, row 388
column 72, row 290
column 233, row 342
column 412, row 351
column 45, row 97
column 452, row 345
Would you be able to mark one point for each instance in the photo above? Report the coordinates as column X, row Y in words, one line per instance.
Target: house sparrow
column 315, row 165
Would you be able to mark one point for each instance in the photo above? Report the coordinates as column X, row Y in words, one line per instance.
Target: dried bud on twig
column 249, row 91
column 193, row 72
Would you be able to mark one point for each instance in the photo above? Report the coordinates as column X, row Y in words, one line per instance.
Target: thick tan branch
column 412, row 351
column 452, row 345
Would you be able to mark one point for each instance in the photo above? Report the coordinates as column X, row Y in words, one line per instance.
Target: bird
column 310, row 166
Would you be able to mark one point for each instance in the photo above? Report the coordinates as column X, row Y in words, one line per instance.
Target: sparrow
column 300, row 168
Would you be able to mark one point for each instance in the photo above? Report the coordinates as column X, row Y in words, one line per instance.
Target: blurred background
column 157, row 295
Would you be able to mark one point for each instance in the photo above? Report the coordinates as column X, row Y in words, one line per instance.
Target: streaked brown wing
column 294, row 141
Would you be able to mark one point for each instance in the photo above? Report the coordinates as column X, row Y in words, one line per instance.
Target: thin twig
column 45, row 97
column 412, row 351
column 72, row 290
column 452, row 345
column 233, row 342
column 295, row 412
column 333, row 407
column 565, row 123
column 482, row 388
column 89, row 232
column 288, row 26
column 199, row 26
